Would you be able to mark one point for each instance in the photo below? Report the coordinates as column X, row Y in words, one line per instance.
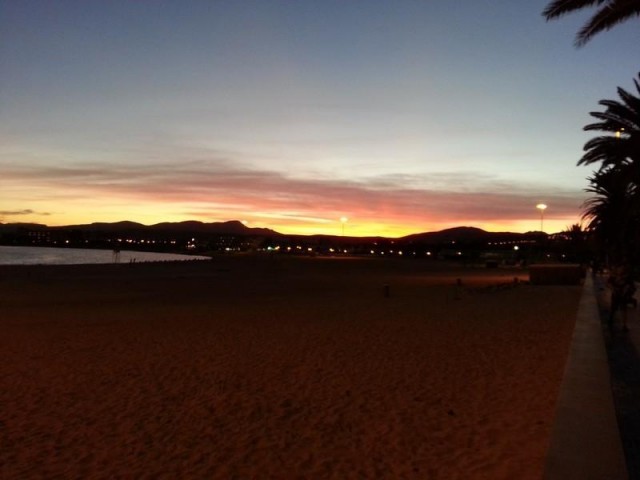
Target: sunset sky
column 404, row 116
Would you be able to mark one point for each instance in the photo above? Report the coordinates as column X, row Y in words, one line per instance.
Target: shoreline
column 60, row 255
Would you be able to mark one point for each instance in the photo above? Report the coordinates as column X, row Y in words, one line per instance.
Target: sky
column 401, row 116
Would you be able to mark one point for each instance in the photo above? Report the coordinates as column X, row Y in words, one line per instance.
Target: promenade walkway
column 585, row 440
column 623, row 350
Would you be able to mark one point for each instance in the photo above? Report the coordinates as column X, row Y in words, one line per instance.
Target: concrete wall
column 585, row 440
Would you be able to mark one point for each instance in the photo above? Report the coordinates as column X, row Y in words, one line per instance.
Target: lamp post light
column 542, row 207
column 343, row 220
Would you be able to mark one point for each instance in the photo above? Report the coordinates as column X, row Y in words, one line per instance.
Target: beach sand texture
column 268, row 367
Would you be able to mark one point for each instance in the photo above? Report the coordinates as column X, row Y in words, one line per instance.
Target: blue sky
column 404, row 116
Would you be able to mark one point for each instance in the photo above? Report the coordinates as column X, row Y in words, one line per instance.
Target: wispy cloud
column 17, row 213
column 213, row 187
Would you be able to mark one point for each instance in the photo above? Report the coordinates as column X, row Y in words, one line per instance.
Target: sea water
column 75, row 256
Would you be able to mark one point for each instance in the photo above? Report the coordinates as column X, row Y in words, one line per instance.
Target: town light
column 343, row 220
column 542, row 207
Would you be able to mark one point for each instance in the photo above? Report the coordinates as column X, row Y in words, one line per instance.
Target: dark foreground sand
column 253, row 367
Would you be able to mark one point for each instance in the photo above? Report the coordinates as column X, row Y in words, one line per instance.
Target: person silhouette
column 622, row 293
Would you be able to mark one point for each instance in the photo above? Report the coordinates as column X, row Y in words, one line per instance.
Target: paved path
column 623, row 350
column 585, row 441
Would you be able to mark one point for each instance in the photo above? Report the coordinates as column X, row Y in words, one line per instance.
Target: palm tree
column 614, row 212
column 577, row 243
column 621, row 120
column 612, row 215
column 610, row 13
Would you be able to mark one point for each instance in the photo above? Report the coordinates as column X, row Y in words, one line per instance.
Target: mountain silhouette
column 194, row 228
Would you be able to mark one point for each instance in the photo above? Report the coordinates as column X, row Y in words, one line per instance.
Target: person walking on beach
column 622, row 291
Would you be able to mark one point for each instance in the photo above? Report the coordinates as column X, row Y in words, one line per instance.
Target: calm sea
column 74, row 256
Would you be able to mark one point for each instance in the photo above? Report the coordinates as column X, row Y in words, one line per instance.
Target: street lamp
column 343, row 220
column 542, row 207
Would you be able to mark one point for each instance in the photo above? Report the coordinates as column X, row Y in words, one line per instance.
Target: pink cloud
column 216, row 187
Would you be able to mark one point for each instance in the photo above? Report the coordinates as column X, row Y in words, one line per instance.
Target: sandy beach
column 271, row 367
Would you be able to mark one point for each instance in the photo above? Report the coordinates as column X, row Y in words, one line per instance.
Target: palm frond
column 607, row 17
column 609, row 14
column 558, row 8
column 611, row 151
column 631, row 102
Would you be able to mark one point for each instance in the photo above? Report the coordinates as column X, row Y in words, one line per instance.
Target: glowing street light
column 542, row 207
column 619, row 132
column 343, row 220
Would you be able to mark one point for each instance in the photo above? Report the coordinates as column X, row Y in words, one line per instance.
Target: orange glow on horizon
column 354, row 227
column 265, row 199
